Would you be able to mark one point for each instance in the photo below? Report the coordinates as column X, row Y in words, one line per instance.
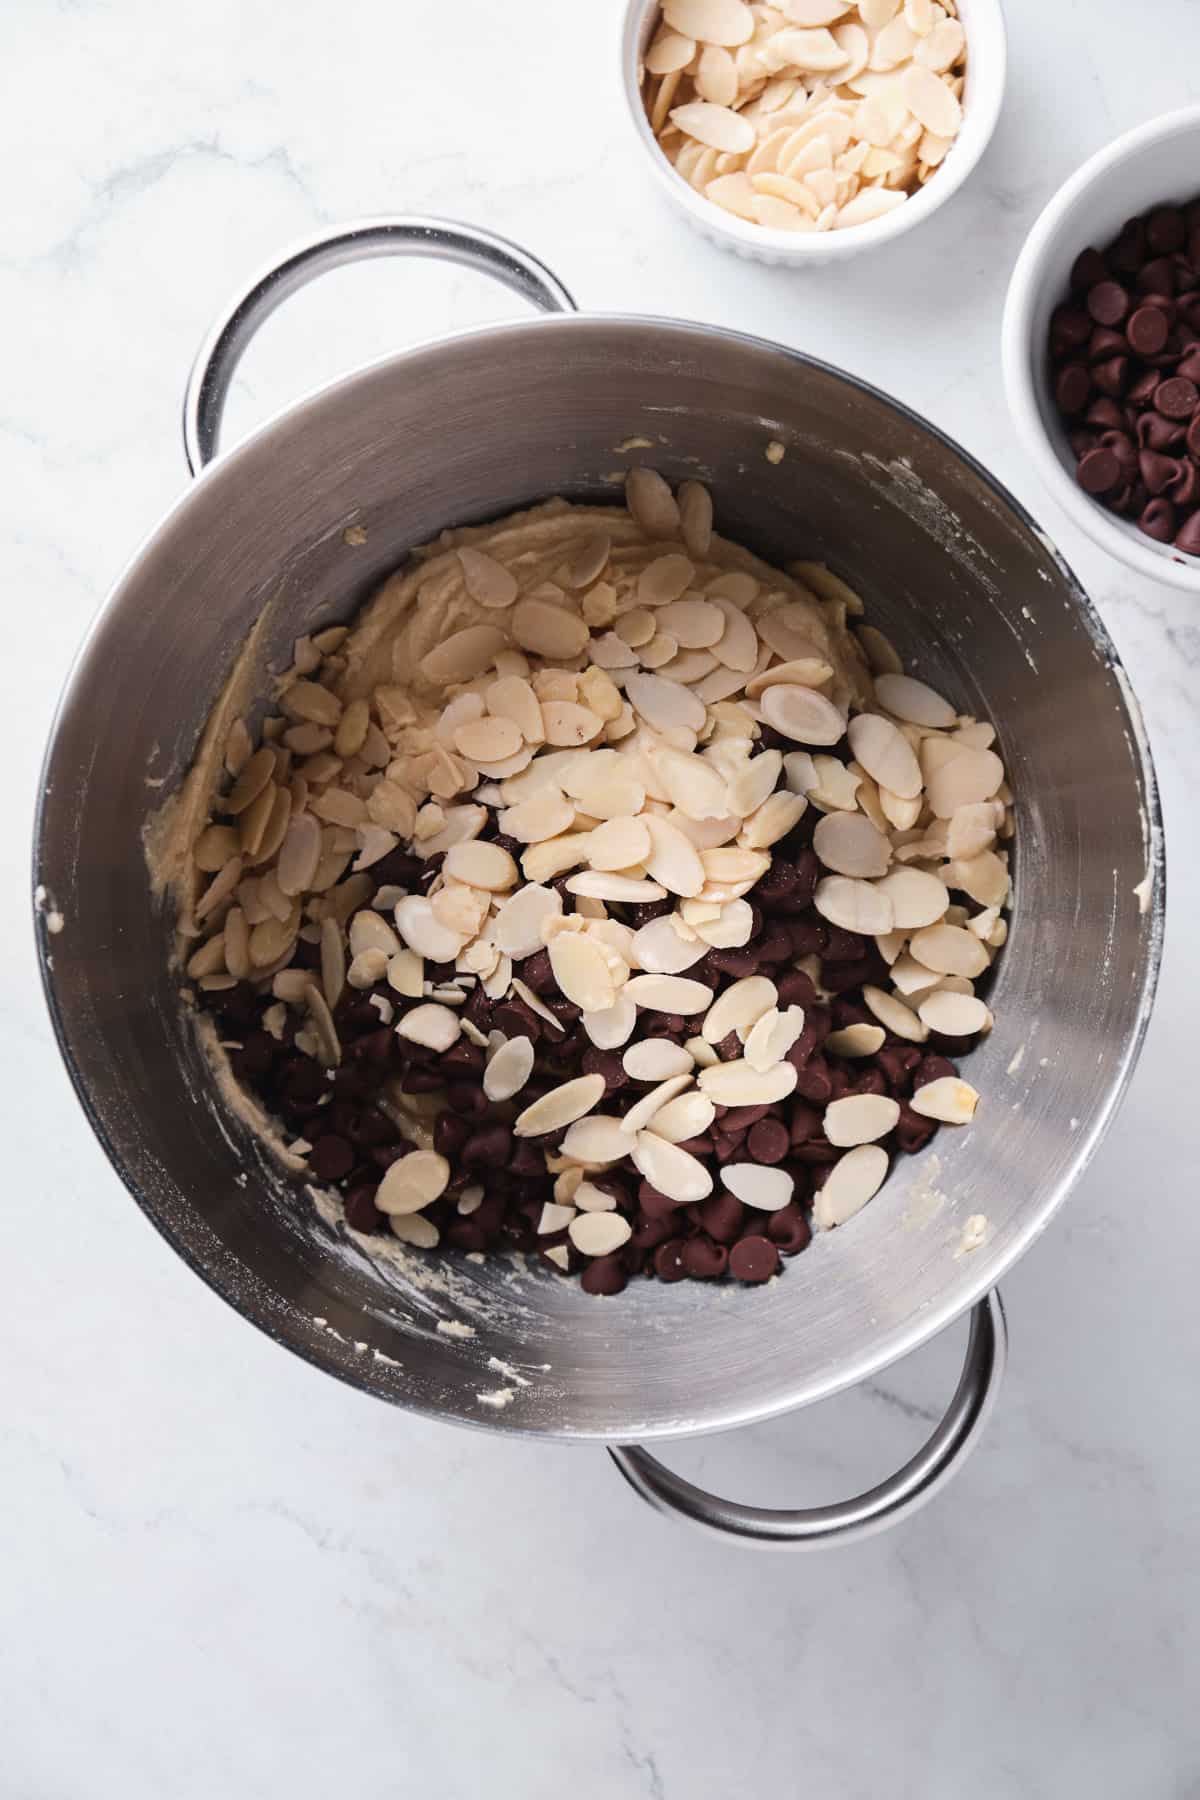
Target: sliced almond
column 255, row 776
column 694, row 624
column 739, row 1007
column 948, row 1099
column 754, row 1184
column 949, row 950
column 561, row 1106
column 413, row 1182
column 581, row 971
column 219, row 888
column 688, row 1115
column 663, row 580
column 894, row 1015
column 738, row 1083
column 596, row 1140
column 216, row 844
column 849, row 844
column 590, row 558
column 676, row 1173
column 554, row 1217
column 668, row 994
column 663, row 704
column 656, row 1059
column 695, row 518
column 547, row 814
column 421, row 931
column 984, row 877
column 717, row 126
column 972, row 829
column 521, row 921
column 855, row 1040
column 599, row 1233
column 674, row 860
column 508, row 1069
column 610, row 1029
column 772, row 1036
column 299, row 854
column 618, row 844
column 725, row 22
column 549, row 630
column 773, row 820
column 693, row 785
column 860, row 1119
column 642, row 1112
column 587, row 1197
column 436, row 1027
column 481, row 865
column 309, row 700
column 802, row 714
column 463, row 655
column 930, row 100
column 488, row 740
column 856, row 1178
column 415, row 1229
column 651, row 502
column 567, row 724
column 602, row 884
column 854, row 905
column 487, row 581
column 906, row 698
column 953, row 1015
column 917, row 899
column 661, row 950
column 886, row 756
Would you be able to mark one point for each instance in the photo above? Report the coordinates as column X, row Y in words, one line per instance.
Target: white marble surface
column 221, row 1572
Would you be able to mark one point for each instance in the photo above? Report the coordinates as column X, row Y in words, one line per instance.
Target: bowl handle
column 815, row 1527
column 443, row 239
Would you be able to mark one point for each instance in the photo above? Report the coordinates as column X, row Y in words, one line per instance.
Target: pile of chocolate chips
column 353, row 1140
column 1125, row 355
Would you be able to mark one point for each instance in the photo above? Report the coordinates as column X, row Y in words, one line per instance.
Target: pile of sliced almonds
column 606, row 721
column 808, row 115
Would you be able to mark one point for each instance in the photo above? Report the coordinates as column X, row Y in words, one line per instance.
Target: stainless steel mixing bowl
column 951, row 567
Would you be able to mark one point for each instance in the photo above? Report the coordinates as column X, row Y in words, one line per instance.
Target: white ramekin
column 1157, row 162
column 983, row 22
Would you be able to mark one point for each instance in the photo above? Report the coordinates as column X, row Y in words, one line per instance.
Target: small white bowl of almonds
column 809, row 130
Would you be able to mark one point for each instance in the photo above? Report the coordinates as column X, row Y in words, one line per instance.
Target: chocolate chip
column 1104, row 342
column 1111, row 376
column 1187, row 538
column 704, row 1259
column 604, row 1275
column 753, row 1259
column 789, row 1229
column 1166, row 230
column 722, row 1216
column 1156, row 433
column 1184, row 488
column 769, row 1141
column 331, row 1157
column 1176, row 397
column 488, row 1148
column 607, row 1063
column 450, row 1133
column 1087, row 270
column 1147, row 330
column 1157, row 520
column 1098, row 471
column 361, row 1210
column 649, row 1233
column 668, row 1260
column 1156, row 470
column 1108, row 302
